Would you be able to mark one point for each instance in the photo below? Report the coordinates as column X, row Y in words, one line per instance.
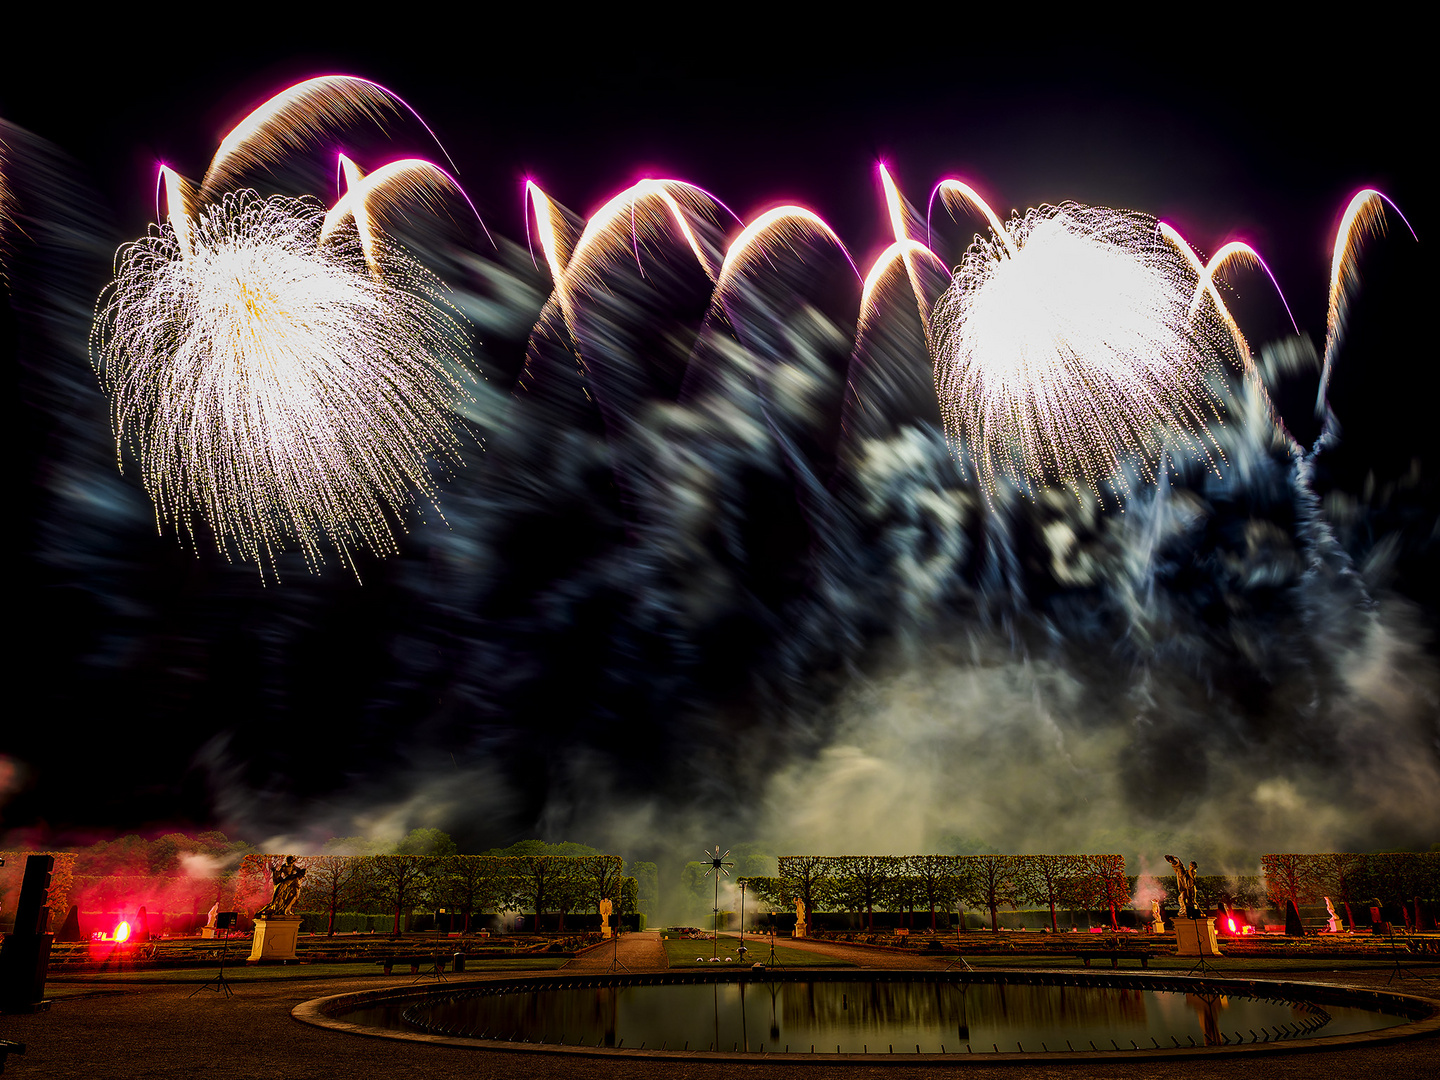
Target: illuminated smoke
column 1066, row 351
column 270, row 387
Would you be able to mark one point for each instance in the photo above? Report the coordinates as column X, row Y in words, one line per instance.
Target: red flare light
column 122, row 933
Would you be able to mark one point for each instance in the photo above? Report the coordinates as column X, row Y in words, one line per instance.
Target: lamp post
column 742, row 916
column 718, row 866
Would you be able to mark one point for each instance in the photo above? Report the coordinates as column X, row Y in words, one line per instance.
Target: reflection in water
column 1207, row 1007
column 878, row 1017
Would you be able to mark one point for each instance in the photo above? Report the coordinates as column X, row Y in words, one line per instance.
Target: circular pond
column 948, row 1015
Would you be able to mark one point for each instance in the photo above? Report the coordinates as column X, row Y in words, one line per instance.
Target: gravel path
column 637, row 951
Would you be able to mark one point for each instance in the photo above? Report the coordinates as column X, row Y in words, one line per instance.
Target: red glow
column 122, row 933
column 1232, row 926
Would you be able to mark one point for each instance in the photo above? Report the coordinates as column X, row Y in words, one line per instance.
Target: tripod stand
column 615, row 964
column 1401, row 972
column 959, row 959
column 219, row 983
column 770, row 961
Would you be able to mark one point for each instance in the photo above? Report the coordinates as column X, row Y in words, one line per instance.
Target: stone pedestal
column 275, row 937
column 207, row 932
column 1196, row 937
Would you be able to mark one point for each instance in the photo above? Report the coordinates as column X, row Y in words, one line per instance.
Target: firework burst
column 270, row 387
column 1067, row 351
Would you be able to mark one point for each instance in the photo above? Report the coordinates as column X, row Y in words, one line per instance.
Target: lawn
column 682, row 953
column 69, row 985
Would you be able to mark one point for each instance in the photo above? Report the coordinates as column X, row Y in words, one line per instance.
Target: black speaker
column 226, row 920
column 31, row 914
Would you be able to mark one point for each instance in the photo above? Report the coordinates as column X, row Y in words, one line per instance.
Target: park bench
column 1116, row 955
column 434, row 963
column 7, row 1048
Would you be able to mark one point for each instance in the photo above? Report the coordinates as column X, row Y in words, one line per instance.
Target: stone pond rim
column 1421, row 1014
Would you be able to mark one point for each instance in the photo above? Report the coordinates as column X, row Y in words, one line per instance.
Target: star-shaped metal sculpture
column 718, row 866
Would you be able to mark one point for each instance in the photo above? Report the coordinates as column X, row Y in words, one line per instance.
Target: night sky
column 527, row 684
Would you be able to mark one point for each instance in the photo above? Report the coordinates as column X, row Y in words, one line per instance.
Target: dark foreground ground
column 125, row 1029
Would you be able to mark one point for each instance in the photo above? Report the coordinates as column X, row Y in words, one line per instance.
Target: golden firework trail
column 1363, row 217
column 415, row 179
column 619, row 230
column 297, row 119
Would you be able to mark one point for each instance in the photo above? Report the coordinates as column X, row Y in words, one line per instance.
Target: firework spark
column 269, row 386
column 1364, row 216
column 298, row 119
column 1066, row 352
column 415, row 179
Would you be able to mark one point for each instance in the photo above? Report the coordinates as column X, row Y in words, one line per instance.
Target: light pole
column 718, row 866
column 742, row 917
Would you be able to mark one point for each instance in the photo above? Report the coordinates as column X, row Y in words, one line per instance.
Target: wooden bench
column 1116, row 955
column 436, row 963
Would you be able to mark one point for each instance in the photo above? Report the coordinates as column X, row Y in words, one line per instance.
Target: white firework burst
column 1065, row 352
column 270, row 386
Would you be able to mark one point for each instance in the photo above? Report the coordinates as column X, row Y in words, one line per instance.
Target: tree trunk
column 995, row 918
column 932, row 916
column 1054, row 926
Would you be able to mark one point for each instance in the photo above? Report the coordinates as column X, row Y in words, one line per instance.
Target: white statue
column 799, row 918
column 1334, row 916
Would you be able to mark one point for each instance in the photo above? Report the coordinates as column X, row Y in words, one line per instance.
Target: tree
column 537, row 875
column 809, row 878
column 862, row 881
column 1048, row 879
column 426, row 842
column 335, row 880
column 570, row 888
column 771, row 891
column 992, row 882
column 1342, row 874
column 629, row 902
column 1291, row 878
column 602, row 875
column 1102, row 883
column 647, row 882
column 399, row 882
column 902, row 892
column 471, row 883
column 936, row 878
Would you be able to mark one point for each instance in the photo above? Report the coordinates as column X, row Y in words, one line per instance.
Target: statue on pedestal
column 286, row 877
column 799, row 917
column 1185, row 887
column 1334, row 926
